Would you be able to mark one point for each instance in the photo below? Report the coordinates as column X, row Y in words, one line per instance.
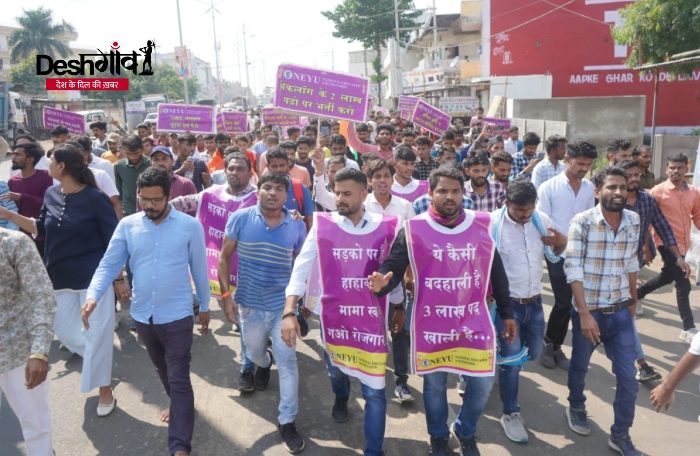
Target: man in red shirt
column 28, row 187
column 162, row 157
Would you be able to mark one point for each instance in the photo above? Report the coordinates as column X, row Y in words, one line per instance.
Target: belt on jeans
column 525, row 300
column 613, row 308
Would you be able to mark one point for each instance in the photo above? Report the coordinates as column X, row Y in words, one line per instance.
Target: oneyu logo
column 88, row 64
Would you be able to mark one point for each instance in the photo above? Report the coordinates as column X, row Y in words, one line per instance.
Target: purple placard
column 430, row 118
column 451, row 325
column 322, row 93
column 74, row 122
column 501, row 125
column 232, row 122
column 180, row 118
column 407, row 104
column 272, row 116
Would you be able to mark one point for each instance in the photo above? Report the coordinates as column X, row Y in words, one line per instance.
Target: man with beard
column 561, row 198
column 448, row 224
column 601, row 266
column 27, row 188
column 162, row 157
column 526, row 160
column 643, row 154
column 164, row 249
column 486, row 195
column 680, row 204
column 640, row 202
column 501, row 167
column 384, row 147
column 555, row 146
column 188, row 165
column 127, row 171
column 267, row 239
column 333, row 234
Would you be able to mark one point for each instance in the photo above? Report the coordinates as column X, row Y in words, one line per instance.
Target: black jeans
column 670, row 272
column 558, row 323
column 400, row 346
column 169, row 347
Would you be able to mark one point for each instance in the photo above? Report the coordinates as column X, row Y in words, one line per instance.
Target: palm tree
column 38, row 34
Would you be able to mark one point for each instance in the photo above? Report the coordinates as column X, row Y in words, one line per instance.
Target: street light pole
column 216, row 54
column 247, row 74
column 397, row 61
column 179, row 27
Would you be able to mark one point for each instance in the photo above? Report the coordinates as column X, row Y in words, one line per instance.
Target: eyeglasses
column 155, row 201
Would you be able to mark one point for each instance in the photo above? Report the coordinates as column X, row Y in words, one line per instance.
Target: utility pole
column 179, row 26
column 435, row 35
column 216, row 52
column 247, row 74
column 397, row 61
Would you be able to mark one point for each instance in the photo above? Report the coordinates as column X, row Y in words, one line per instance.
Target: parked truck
column 12, row 112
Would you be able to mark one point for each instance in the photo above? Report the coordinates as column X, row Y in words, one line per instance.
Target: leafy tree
column 372, row 23
column 38, row 34
column 24, row 73
column 657, row 29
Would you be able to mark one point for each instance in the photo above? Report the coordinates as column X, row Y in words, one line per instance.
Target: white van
column 94, row 116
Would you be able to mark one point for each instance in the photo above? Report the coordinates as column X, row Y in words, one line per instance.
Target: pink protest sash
column 422, row 189
column 451, row 330
column 353, row 319
column 215, row 207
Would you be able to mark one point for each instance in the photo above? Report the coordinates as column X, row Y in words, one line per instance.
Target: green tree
column 39, row 35
column 24, row 73
column 657, row 29
column 372, row 23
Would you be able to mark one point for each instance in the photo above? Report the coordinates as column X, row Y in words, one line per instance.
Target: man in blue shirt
column 154, row 242
column 298, row 196
column 267, row 239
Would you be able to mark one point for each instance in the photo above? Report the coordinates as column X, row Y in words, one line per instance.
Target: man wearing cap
column 112, row 154
column 162, row 157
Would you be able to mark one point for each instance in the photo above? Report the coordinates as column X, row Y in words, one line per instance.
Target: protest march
column 423, row 255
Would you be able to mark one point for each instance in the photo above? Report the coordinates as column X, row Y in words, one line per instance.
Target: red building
column 572, row 41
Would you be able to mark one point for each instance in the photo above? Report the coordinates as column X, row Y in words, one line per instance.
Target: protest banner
column 322, row 93
column 272, row 116
column 407, row 104
column 430, row 118
column 181, row 118
column 215, row 207
column 353, row 319
column 458, row 105
column 497, row 126
column 450, row 319
column 74, row 122
column 232, row 122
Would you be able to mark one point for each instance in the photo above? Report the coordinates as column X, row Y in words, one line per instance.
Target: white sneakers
column 687, row 335
column 514, row 427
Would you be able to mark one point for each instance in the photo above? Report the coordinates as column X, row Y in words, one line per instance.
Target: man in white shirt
column 95, row 162
column 523, row 238
column 380, row 175
column 561, row 198
column 405, row 185
column 324, row 180
column 513, row 145
column 102, row 179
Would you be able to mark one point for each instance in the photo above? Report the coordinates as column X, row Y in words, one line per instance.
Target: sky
column 277, row 31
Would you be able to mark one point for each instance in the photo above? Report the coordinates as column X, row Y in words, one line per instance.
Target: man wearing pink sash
column 454, row 263
column 405, row 186
column 347, row 246
column 213, row 207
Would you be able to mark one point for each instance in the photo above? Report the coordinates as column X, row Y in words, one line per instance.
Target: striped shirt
column 494, row 198
column 650, row 214
column 265, row 256
column 600, row 258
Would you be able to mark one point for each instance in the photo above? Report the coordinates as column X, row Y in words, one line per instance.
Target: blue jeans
column 618, row 337
column 257, row 327
column 375, row 407
column 435, row 401
column 529, row 319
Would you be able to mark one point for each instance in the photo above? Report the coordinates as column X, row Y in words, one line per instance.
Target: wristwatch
column 42, row 356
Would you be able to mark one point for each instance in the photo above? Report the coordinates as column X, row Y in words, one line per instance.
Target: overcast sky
column 277, row 30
